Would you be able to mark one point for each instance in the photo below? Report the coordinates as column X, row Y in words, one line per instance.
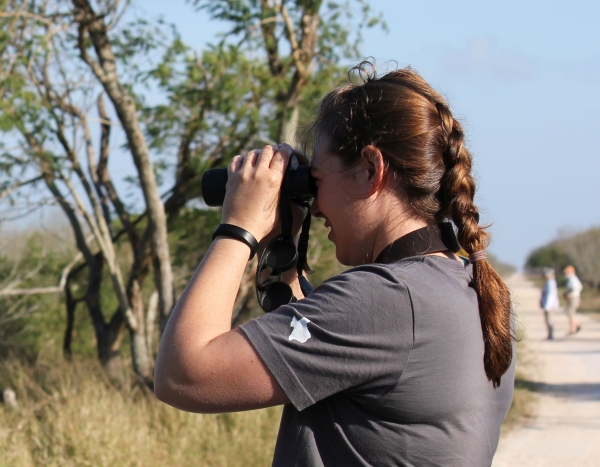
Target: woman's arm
column 202, row 365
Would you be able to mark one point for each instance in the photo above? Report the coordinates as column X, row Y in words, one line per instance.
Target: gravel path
column 565, row 373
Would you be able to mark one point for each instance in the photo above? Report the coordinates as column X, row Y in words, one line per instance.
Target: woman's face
column 338, row 202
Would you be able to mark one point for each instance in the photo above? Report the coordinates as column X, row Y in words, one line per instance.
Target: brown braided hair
column 423, row 147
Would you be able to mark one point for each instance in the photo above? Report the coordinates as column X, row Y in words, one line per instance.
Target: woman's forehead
column 319, row 160
column 319, row 155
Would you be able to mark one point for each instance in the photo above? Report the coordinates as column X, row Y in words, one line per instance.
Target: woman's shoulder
column 379, row 282
column 430, row 269
column 366, row 280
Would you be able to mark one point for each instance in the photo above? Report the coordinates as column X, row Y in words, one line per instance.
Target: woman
column 549, row 300
column 397, row 361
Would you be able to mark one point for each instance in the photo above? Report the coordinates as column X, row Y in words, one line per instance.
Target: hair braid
column 411, row 124
column 457, row 190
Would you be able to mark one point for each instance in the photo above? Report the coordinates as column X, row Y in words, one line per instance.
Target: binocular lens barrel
column 213, row 186
column 298, row 185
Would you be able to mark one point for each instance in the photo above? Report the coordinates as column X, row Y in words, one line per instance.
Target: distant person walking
column 549, row 300
column 572, row 295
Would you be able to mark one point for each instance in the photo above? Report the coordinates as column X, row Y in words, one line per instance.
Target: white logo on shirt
column 300, row 332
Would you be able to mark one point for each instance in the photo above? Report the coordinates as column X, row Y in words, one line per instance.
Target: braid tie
column 477, row 256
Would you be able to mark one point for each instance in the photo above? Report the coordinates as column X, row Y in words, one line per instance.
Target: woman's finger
column 236, row 163
column 280, row 158
column 265, row 156
column 251, row 157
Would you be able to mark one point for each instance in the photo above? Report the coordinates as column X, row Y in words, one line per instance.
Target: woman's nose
column 314, row 209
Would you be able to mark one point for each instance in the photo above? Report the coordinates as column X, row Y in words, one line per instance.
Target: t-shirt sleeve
column 353, row 333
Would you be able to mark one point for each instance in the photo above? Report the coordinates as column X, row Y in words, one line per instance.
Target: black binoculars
column 298, row 185
column 281, row 254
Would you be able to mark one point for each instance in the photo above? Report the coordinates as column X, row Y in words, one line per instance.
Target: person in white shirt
column 549, row 300
column 572, row 294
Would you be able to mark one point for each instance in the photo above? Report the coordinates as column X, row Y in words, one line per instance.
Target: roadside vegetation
column 522, row 405
column 70, row 414
column 505, row 270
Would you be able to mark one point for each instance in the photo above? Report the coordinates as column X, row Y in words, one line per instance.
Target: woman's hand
column 297, row 158
column 253, row 189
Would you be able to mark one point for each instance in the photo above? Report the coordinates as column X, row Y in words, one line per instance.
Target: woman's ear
column 374, row 167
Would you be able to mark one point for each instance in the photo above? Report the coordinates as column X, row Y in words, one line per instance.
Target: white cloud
column 483, row 57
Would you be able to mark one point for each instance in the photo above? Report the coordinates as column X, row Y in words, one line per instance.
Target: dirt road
column 565, row 373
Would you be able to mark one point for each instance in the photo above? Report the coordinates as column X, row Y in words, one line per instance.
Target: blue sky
column 523, row 77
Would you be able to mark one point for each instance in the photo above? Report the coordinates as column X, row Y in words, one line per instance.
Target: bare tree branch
column 291, row 34
column 104, row 176
column 19, row 185
column 43, row 290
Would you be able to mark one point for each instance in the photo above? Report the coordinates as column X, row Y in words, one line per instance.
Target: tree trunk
column 142, row 358
column 109, row 345
column 105, row 70
column 71, row 304
column 108, row 335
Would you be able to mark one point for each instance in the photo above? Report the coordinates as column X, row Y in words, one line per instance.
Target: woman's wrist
column 237, row 233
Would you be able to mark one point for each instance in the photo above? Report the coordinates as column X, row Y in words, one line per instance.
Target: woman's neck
column 391, row 233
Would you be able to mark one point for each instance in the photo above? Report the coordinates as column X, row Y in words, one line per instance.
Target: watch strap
column 233, row 231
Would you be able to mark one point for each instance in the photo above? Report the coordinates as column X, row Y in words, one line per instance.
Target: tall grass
column 70, row 415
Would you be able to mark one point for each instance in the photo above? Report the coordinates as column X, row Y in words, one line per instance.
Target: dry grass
column 70, row 415
column 521, row 407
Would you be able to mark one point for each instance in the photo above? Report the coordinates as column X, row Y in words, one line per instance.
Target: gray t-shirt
column 383, row 365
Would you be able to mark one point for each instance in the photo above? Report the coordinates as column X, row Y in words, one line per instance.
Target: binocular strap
column 280, row 255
